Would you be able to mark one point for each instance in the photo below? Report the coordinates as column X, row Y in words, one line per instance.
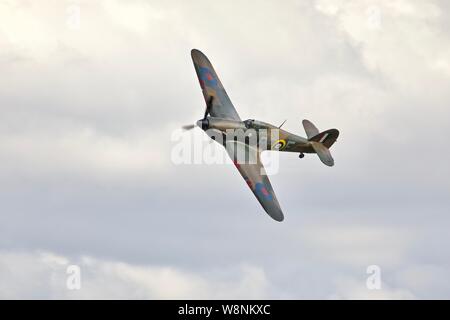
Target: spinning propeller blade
column 208, row 107
column 188, row 127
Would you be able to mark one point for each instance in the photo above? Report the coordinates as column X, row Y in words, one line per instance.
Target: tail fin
column 310, row 129
column 321, row 141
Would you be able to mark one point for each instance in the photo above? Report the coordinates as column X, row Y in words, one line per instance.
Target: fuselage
column 277, row 138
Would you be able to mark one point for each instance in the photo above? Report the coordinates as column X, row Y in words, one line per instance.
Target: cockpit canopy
column 256, row 124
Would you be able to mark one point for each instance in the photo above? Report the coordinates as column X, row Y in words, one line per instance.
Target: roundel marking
column 279, row 144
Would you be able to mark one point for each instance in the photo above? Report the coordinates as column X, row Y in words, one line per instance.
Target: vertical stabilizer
column 310, row 129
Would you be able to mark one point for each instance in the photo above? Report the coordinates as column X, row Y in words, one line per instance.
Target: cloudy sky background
column 88, row 110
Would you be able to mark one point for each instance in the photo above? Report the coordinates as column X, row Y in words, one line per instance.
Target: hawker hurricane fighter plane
column 221, row 116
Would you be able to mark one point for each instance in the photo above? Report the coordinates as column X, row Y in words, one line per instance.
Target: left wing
column 255, row 176
column 212, row 87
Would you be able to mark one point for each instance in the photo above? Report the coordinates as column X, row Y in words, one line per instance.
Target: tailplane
column 323, row 153
column 321, row 141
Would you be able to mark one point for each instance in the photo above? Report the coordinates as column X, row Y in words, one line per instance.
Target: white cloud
column 25, row 31
column 426, row 280
column 43, row 275
column 408, row 48
column 139, row 17
column 351, row 288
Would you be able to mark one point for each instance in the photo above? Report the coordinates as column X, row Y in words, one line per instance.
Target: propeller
column 207, row 112
column 188, row 127
column 208, row 107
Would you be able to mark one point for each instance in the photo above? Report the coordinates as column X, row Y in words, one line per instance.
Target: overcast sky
column 92, row 91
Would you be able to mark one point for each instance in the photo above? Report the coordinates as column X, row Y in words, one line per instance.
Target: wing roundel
column 256, row 178
column 212, row 87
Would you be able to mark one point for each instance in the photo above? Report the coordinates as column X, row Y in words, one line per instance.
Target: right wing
column 255, row 176
column 212, row 87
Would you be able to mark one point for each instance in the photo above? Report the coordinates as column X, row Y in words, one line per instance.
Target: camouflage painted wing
column 211, row 86
column 256, row 178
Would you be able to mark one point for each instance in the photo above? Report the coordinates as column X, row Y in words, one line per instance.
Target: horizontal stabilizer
column 323, row 153
column 327, row 138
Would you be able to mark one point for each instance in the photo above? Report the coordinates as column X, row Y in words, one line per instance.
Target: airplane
column 220, row 116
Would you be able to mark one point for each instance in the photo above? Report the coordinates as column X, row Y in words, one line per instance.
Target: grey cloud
column 85, row 145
